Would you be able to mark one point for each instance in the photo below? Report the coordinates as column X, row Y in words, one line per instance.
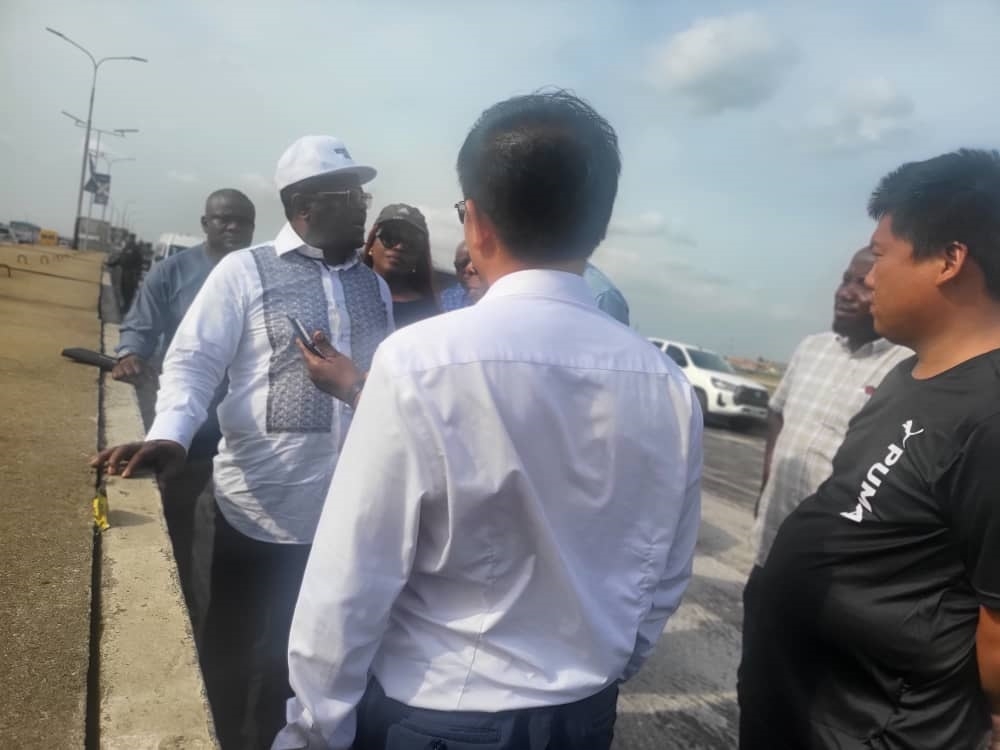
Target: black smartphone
column 303, row 335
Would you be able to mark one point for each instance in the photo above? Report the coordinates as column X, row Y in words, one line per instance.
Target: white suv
column 720, row 391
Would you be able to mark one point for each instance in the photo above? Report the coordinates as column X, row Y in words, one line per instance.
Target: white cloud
column 184, row 177
column 445, row 232
column 681, row 283
column 659, row 270
column 255, row 182
column 651, row 224
column 866, row 114
column 726, row 62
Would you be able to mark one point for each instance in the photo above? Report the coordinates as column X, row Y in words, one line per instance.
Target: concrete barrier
column 151, row 693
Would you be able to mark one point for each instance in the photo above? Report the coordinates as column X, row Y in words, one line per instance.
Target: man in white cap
column 281, row 435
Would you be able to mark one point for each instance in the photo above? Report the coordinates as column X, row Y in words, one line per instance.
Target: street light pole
column 111, row 162
column 120, row 133
column 124, row 212
column 90, row 115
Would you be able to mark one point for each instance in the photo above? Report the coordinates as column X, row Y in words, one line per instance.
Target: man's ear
column 953, row 259
column 204, row 224
column 480, row 234
column 300, row 205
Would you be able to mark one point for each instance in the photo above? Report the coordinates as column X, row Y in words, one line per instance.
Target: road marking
column 718, row 477
column 692, row 616
column 753, row 442
column 651, row 703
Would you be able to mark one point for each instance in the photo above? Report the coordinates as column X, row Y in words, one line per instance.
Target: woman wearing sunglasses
column 399, row 250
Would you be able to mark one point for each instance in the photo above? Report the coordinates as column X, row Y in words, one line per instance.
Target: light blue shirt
column 166, row 294
column 606, row 294
column 455, row 298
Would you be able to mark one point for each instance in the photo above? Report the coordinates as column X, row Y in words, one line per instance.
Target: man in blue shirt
column 470, row 286
column 168, row 290
column 171, row 285
column 606, row 294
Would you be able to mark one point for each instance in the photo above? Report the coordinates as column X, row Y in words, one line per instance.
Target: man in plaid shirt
column 829, row 379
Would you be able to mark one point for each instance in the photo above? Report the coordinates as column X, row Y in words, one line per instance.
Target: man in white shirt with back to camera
column 281, row 436
column 514, row 514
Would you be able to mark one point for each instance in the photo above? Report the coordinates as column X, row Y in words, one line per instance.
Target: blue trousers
column 385, row 724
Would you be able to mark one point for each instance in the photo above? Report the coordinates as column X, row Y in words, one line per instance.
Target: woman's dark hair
column 544, row 168
column 422, row 280
column 950, row 198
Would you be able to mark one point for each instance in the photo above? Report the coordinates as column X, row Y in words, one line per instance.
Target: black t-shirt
column 404, row 313
column 860, row 630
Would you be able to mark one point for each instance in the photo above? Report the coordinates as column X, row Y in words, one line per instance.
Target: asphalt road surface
column 685, row 696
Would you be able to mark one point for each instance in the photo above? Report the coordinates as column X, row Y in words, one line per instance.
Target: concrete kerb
column 151, row 689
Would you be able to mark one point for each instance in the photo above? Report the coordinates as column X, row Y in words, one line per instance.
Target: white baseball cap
column 315, row 155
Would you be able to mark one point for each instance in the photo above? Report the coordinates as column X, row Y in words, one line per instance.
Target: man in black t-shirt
column 876, row 621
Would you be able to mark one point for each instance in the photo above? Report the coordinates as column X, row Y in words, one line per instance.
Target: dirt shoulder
column 48, row 407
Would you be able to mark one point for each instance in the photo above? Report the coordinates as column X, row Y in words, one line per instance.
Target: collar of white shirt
column 538, row 282
column 288, row 241
column 870, row 349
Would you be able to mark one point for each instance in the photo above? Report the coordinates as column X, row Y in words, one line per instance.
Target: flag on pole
column 100, row 185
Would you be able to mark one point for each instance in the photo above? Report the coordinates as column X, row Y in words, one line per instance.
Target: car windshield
column 709, row 361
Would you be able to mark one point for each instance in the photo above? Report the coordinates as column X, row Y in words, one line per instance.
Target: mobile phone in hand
column 303, row 335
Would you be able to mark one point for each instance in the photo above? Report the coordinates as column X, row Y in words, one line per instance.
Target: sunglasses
column 460, row 207
column 392, row 238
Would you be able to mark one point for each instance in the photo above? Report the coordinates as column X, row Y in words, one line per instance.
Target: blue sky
column 751, row 133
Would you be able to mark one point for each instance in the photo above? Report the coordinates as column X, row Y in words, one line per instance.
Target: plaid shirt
column 825, row 385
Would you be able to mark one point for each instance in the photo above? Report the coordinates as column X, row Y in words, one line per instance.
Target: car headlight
column 723, row 385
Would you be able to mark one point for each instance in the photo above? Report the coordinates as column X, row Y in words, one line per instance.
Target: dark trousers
column 385, row 724
column 129, row 285
column 185, row 500
column 244, row 650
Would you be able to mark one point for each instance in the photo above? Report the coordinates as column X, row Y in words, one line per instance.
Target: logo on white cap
column 316, row 155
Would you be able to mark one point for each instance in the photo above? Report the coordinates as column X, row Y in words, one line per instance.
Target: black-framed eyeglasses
column 355, row 197
column 460, row 207
column 222, row 220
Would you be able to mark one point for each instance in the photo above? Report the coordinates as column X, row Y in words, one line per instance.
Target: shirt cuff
column 129, row 345
column 176, row 427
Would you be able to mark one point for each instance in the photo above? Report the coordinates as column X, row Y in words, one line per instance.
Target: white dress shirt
column 513, row 518
column 280, row 434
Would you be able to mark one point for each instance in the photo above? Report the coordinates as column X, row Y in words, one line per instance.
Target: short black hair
column 951, row 198
column 230, row 194
column 544, row 168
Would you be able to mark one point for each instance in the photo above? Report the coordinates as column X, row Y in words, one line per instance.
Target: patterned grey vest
column 293, row 286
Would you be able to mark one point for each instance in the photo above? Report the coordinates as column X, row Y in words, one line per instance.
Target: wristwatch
column 351, row 397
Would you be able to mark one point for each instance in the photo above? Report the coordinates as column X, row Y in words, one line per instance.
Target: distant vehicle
column 170, row 244
column 6, row 236
column 26, row 232
column 720, row 390
column 93, row 234
column 48, row 237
